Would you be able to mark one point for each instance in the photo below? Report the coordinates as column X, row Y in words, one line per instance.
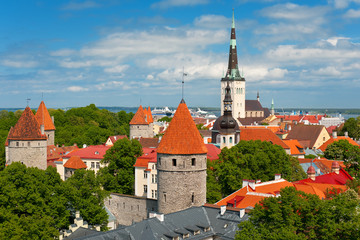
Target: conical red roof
column 43, row 117
column 139, row 117
column 182, row 136
column 151, row 120
column 75, row 162
column 27, row 128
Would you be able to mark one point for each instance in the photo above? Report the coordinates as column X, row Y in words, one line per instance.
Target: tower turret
column 237, row 82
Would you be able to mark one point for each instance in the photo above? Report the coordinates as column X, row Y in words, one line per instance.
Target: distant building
column 309, row 136
column 112, row 139
column 141, row 125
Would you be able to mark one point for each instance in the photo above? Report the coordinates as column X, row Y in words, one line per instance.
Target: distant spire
column 258, row 96
column 272, row 111
column 182, row 83
column 27, row 101
column 233, row 72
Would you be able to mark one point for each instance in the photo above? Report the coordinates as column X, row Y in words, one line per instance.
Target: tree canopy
column 343, row 150
column 36, row 204
column 249, row 160
column 119, row 174
column 297, row 215
column 352, row 126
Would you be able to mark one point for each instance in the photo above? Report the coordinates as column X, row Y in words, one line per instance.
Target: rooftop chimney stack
column 334, row 134
column 277, row 176
column 346, row 134
column 252, row 184
column 335, row 167
column 245, row 183
column 311, row 173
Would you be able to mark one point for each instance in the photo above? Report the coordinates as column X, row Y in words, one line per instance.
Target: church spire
column 233, row 72
column 227, row 100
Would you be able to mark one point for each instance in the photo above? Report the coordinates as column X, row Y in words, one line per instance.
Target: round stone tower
column 181, row 164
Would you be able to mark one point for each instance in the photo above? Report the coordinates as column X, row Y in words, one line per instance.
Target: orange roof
column 140, row 117
column 331, row 140
column 43, row 117
column 310, row 189
column 75, row 162
column 27, row 128
column 249, row 201
column 261, row 134
column 182, row 136
column 274, row 129
column 295, row 147
column 151, row 120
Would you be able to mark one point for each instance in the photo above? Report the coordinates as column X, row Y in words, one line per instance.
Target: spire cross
column 27, row 101
column 182, row 83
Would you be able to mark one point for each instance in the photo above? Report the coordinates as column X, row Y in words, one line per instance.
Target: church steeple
column 227, row 101
column 233, row 72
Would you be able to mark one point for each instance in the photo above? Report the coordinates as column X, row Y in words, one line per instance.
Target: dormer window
column 96, row 153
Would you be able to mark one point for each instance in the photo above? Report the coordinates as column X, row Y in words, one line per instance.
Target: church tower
column 237, row 82
column 181, row 164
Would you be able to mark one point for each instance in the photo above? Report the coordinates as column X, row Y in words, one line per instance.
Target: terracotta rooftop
column 149, row 155
column 27, row 128
column 75, row 162
column 305, row 134
column 43, row 117
column 331, row 140
column 213, row 152
column 149, row 142
column 140, row 117
column 261, row 134
column 295, row 147
column 182, row 136
column 90, row 152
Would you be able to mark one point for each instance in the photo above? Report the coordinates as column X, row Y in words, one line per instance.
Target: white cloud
column 334, row 40
column 178, row 3
column 116, row 69
column 77, row 89
column 76, row 5
column 110, row 85
column 327, row 71
column 340, row 4
column 351, row 13
column 19, row 64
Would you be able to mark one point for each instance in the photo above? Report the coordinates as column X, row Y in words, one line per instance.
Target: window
column 153, row 178
column 174, row 162
column 152, row 193
column 164, row 196
column 97, row 165
column 159, row 161
column 28, row 144
column 193, row 162
column 230, row 139
column 145, row 188
column 145, row 174
column 155, row 193
column 92, row 165
column 153, row 166
column 224, row 140
column 192, row 197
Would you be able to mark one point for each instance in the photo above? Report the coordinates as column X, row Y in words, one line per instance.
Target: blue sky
column 123, row 52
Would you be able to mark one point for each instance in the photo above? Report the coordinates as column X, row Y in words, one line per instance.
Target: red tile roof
column 213, row 152
column 331, row 129
column 140, row 117
column 261, row 134
column 113, row 139
column 149, row 155
column 331, row 140
column 90, row 152
column 54, row 153
column 148, row 112
column 149, row 142
column 75, row 162
column 295, row 147
column 182, row 136
column 43, row 117
column 27, row 128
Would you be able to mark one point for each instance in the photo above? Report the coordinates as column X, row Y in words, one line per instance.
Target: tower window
column 28, row 144
column 192, row 197
column 164, row 196
column 159, row 161
column 17, row 144
column 174, row 162
column 193, row 161
column 224, row 140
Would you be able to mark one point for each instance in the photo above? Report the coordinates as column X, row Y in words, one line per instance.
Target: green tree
column 87, row 196
column 343, row 150
column 118, row 176
column 165, row 119
column 352, row 126
column 253, row 160
column 297, row 215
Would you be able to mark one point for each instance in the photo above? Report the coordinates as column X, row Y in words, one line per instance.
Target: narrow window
column 224, row 140
column 145, row 174
column 193, row 161
column 159, row 161
column 124, row 205
column 28, row 144
column 152, row 178
column 192, row 197
column 17, row 144
column 174, row 162
column 155, row 193
column 230, row 139
column 152, row 193
column 145, row 188
column 164, row 196
column 97, row 165
column 92, row 164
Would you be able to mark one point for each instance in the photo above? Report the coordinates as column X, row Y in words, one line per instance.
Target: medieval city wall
column 30, row 153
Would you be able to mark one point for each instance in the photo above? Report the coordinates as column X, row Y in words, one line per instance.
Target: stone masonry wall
column 50, row 137
column 145, row 131
column 31, row 153
column 181, row 186
column 129, row 209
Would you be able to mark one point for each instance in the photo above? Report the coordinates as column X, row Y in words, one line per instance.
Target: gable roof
column 253, row 105
column 43, row 117
column 113, row 139
column 75, row 162
column 331, row 140
column 305, row 134
column 140, row 117
column 90, row 152
column 295, row 147
column 262, row 134
column 27, row 128
column 182, row 136
column 149, row 142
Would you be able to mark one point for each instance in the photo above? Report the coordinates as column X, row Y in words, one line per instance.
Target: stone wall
column 31, row 153
column 145, row 131
column 129, row 209
column 50, row 137
column 182, row 184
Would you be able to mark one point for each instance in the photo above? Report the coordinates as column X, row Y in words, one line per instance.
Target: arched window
column 224, row 140
column 230, row 139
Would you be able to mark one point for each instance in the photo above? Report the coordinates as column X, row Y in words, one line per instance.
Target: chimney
column 346, row 134
column 160, row 216
column 258, row 181
column 252, row 184
column 334, row 134
column 335, row 167
column 77, row 214
column 97, row 227
column 245, row 183
column 222, row 210
column 311, row 173
column 42, row 130
column 277, row 176
column 242, row 212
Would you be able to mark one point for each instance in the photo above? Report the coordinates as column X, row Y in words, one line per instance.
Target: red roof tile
column 43, row 117
column 295, row 147
column 261, row 134
column 331, row 140
column 27, row 128
column 90, row 152
column 182, row 136
column 140, row 117
column 149, row 155
column 213, row 152
column 75, row 162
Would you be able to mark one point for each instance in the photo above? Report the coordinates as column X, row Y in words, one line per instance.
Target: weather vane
column 182, row 83
column 27, row 101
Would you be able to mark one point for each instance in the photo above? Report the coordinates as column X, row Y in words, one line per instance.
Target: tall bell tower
column 236, row 81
